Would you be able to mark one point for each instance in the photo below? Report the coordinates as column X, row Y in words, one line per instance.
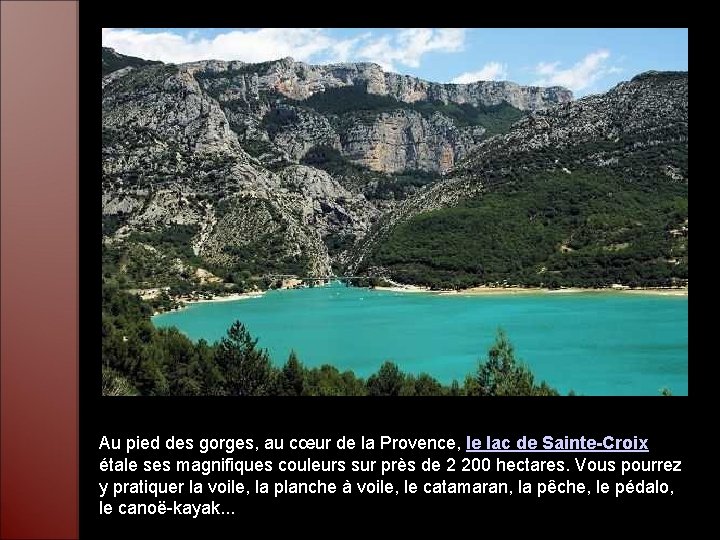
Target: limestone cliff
column 252, row 93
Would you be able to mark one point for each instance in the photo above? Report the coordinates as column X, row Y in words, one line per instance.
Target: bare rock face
column 404, row 140
column 170, row 104
column 110, row 77
column 526, row 98
column 307, row 131
column 327, row 206
column 170, row 159
column 299, row 81
column 392, row 142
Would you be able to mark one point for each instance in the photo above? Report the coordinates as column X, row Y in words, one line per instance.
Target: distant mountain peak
column 653, row 74
column 113, row 61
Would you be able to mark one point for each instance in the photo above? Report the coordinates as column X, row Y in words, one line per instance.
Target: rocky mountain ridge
column 299, row 81
column 112, row 61
column 396, row 139
column 603, row 130
column 221, row 148
column 292, row 106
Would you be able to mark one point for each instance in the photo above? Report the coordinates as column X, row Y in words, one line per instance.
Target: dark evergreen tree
column 425, row 385
column 454, row 388
column 502, row 375
column 291, row 381
column 245, row 369
column 387, row 382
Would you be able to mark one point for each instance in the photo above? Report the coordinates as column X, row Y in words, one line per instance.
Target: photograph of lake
column 395, row 212
column 592, row 343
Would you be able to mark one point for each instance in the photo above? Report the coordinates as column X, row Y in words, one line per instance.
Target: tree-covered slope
column 589, row 228
column 590, row 193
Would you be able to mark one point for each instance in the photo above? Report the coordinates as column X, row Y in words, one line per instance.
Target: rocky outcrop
column 649, row 110
column 325, row 206
column 306, row 131
column 404, row 140
column 525, row 98
column 388, row 140
column 169, row 158
column 299, row 81
column 168, row 104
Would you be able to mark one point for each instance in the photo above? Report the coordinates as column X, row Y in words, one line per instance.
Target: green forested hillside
column 588, row 228
column 589, row 193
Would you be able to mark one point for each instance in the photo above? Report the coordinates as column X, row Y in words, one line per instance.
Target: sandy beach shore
column 662, row 292
column 404, row 289
column 185, row 302
column 483, row 290
column 570, row 290
column 473, row 291
column 226, row 298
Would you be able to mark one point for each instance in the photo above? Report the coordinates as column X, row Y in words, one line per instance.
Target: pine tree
column 425, row 385
column 246, row 370
column 502, row 375
column 388, row 381
column 292, row 377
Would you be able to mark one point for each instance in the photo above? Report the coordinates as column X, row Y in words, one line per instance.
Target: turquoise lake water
column 593, row 343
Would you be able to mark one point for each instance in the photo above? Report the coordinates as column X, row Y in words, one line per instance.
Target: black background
column 661, row 420
column 666, row 422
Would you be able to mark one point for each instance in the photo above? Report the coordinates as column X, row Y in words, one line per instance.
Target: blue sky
column 585, row 60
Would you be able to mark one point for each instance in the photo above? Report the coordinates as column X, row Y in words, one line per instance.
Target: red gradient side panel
column 39, row 248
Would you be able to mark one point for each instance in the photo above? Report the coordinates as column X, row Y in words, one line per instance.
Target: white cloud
column 492, row 71
column 404, row 46
column 407, row 46
column 580, row 76
column 247, row 45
